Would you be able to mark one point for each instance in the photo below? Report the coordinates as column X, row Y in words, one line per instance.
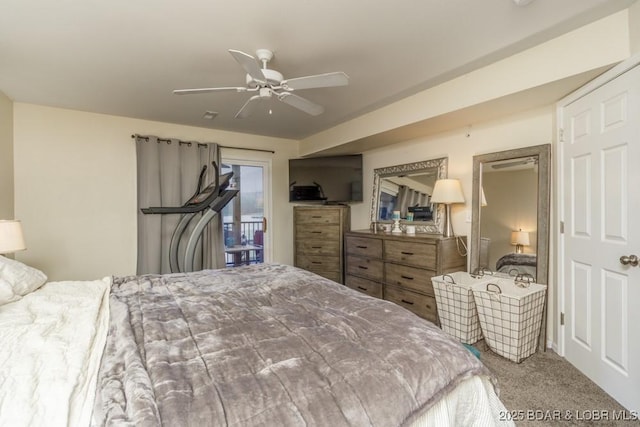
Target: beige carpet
column 546, row 382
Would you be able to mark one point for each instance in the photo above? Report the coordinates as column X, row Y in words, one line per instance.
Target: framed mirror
column 407, row 188
column 510, row 214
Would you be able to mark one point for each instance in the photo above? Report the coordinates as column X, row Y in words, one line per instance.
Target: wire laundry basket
column 456, row 306
column 510, row 314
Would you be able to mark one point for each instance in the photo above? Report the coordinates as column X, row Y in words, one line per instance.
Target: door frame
column 598, row 82
column 259, row 159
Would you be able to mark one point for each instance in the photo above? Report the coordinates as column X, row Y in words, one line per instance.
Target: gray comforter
column 268, row 345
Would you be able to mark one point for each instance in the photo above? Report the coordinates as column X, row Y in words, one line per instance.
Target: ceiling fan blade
column 208, row 89
column 320, row 80
column 301, row 103
column 249, row 107
column 250, row 65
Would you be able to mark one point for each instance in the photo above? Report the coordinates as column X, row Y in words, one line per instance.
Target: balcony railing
column 248, row 236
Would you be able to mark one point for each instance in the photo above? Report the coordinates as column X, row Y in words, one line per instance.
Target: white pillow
column 18, row 279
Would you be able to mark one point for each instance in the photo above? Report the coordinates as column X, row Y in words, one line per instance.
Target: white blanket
column 51, row 344
column 472, row 403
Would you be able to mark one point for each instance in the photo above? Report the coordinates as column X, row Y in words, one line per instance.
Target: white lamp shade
column 447, row 191
column 11, row 237
column 520, row 238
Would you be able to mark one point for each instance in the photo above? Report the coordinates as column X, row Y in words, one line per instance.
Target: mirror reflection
column 510, row 214
column 508, row 219
column 407, row 189
column 409, row 194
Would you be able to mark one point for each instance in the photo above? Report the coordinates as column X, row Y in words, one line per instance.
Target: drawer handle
column 316, row 216
column 360, row 287
column 316, row 247
column 316, row 262
column 316, row 232
column 362, row 247
column 406, row 302
column 406, row 277
column 406, row 253
column 363, row 267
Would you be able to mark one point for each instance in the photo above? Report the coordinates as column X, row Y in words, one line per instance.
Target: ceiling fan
column 267, row 83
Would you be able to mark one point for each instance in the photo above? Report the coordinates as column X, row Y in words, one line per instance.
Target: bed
column 264, row 344
column 514, row 264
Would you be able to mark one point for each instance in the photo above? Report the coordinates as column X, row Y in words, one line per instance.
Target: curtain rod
column 146, row 138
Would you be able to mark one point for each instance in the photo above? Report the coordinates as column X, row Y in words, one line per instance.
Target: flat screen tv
column 333, row 179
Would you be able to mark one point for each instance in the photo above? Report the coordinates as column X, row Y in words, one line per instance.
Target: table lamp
column 447, row 192
column 520, row 239
column 11, row 237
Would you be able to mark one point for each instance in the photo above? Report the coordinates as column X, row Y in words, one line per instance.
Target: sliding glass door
column 245, row 218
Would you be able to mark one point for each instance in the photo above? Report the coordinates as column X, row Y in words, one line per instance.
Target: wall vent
column 209, row 115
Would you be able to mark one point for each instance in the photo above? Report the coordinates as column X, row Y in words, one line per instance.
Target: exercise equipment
column 205, row 205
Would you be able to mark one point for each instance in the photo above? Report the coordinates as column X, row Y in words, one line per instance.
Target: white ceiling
column 124, row 57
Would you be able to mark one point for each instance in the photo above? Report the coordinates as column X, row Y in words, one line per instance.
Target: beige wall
column 75, row 180
column 529, row 128
column 75, row 188
column 6, row 157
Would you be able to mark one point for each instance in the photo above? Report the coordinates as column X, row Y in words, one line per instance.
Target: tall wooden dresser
column 319, row 239
column 399, row 267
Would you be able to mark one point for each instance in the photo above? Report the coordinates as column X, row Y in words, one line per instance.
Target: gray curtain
column 408, row 197
column 167, row 172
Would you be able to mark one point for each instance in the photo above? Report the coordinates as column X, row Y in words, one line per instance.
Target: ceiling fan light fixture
column 273, row 78
column 265, row 92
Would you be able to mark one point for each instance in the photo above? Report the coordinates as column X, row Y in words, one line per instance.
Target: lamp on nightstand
column 11, row 237
column 520, row 239
column 447, row 192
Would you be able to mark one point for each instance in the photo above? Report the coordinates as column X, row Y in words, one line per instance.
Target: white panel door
column 600, row 197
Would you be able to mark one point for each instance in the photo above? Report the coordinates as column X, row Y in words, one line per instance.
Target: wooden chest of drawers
column 399, row 268
column 318, row 239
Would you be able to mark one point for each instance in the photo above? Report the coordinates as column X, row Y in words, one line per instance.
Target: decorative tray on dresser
column 399, row 267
